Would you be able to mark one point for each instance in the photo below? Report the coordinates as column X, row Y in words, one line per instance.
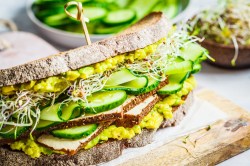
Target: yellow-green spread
column 31, row 148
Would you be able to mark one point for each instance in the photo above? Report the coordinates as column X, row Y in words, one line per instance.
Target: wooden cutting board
column 220, row 141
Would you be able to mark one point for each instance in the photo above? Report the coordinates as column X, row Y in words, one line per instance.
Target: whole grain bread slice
column 147, row 31
column 101, row 153
column 98, row 154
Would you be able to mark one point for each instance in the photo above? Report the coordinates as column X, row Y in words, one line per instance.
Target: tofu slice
column 69, row 146
column 136, row 114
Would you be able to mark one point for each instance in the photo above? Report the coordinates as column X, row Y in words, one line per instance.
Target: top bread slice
column 147, row 31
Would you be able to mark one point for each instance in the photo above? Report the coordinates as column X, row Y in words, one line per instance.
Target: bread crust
column 147, row 31
column 98, row 154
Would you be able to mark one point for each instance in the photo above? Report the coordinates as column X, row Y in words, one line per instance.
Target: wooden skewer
column 80, row 17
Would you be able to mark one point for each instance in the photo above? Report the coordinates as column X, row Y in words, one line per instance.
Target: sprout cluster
column 156, row 63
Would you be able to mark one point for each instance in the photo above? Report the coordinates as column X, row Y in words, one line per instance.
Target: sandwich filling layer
column 160, row 112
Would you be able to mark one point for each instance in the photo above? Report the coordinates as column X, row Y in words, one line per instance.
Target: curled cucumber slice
column 52, row 113
column 128, row 81
column 152, row 84
column 134, row 87
column 71, row 110
column 120, row 77
column 61, row 112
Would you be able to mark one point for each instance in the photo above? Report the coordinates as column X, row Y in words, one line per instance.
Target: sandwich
column 84, row 106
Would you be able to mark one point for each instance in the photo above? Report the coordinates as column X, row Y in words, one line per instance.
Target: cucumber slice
column 90, row 3
column 57, row 20
column 105, row 100
column 12, row 132
column 44, row 124
column 192, row 51
column 175, row 84
column 92, row 13
column 109, row 29
column 180, row 67
column 75, row 132
column 120, row 77
column 119, row 17
column 170, row 88
column 142, row 7
column 52, row 113
column 121, row 3
column 169, row 9
column 42, row 14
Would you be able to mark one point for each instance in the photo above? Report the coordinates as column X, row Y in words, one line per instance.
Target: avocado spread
column 30, row 147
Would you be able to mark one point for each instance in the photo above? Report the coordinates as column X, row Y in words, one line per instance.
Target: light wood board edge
column 204, row 147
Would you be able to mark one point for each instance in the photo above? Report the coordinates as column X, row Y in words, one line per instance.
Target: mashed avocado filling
column 31, row 148
column 60, row 82
column 162, row 110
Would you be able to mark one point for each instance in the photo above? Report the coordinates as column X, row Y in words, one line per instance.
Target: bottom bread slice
column 101, row 153
column 98, row 154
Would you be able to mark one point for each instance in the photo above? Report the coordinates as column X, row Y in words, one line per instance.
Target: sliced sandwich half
column 84, row 106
